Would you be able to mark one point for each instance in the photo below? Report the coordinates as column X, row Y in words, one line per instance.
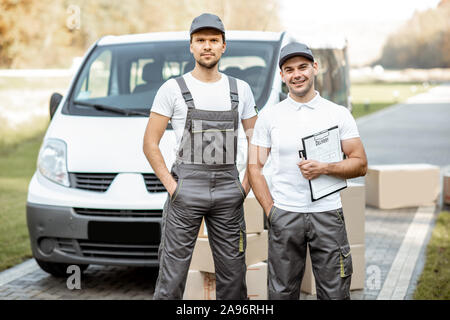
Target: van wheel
column 58, row 269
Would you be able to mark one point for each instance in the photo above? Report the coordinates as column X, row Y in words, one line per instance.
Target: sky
column 364, row 23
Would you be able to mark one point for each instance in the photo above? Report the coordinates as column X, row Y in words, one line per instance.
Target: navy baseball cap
column 207, row 21
column 294, row 49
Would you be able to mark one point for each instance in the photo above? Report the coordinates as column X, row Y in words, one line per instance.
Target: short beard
column 210, row 65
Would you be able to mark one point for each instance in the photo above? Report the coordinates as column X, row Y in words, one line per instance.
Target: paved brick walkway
column 385, row 235
column 98, row 282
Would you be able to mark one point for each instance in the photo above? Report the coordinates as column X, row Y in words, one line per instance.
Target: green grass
column 19, row 147
column 12, row 136
column 434, row 282
column 360, row 110
column 17, row 165
column 371, row 97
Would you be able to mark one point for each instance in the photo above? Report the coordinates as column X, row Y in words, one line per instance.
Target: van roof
column 184, row 35
column 312, row 41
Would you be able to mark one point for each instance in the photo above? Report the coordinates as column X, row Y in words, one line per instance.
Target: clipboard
column 324, row 145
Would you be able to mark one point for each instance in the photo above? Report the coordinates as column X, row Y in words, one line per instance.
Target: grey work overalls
column 209, row 187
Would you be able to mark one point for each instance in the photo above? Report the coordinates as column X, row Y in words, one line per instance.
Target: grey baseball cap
column 294, row 49
column 207, row 20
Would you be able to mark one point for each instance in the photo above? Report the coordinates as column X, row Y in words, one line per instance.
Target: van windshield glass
column 128, row 76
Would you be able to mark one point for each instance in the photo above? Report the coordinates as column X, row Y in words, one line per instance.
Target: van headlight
column 52, row 161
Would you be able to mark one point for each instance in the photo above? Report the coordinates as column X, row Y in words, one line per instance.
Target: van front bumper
column 94, row 236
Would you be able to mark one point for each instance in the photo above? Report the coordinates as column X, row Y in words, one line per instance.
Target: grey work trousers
column 325, row 234
column 218, row 196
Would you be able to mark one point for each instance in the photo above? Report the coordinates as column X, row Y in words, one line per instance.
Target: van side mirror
column 55, row 99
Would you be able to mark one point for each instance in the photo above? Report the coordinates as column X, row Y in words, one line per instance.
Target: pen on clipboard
column 301, row 154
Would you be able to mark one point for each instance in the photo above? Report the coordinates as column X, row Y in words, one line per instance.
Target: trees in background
column 422, row 42
column 49, row 33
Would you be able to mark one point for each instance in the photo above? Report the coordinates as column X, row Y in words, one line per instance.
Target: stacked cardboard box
column 201, row 280
column 201, row 285
column 404, row 185
column 202, row 258
column 353, row 205
column 253, row 216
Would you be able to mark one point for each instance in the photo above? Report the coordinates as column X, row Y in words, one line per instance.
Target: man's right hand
column 173, row 186
column 156, row 126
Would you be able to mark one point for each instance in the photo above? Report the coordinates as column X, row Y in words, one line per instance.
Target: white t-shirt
column 214, row 96
column 281, row 127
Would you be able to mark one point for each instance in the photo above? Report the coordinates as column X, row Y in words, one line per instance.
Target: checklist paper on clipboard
column 324, row 146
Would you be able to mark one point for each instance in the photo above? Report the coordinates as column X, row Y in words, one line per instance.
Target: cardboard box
column 359, row 266
column 253, row 215
column 400, row 186
column 257, row 246
column 359, row 271
column 202, row 285
column 354, row 205
column 203, row 232
column 257, row 281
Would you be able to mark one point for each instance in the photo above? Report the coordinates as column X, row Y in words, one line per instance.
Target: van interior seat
column 256, row 77
column 152, row 75
column 234, row 72
column 253, row 74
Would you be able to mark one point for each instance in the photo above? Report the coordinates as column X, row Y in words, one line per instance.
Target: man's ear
column 316, row 68
column 282, row 78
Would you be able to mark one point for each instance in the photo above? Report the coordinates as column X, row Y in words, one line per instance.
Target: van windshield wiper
column 110, row 108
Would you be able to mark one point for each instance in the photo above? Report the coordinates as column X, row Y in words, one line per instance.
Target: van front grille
column 99, row 182
column 152, row 183
column 126, row 213
column 118, row 251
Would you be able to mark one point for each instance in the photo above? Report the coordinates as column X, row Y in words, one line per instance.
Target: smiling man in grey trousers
column 295, row 221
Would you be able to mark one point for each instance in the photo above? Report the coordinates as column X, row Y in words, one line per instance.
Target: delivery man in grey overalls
column 204, row 107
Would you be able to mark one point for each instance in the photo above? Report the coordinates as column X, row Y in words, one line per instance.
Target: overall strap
column 187, row 96
column 233, row 93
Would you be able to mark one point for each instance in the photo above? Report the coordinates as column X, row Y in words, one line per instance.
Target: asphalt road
column 417, row 131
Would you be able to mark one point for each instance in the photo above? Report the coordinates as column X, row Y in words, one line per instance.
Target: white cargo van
column 94, row 198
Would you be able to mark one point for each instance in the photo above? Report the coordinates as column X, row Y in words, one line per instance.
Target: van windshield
column 127, row 76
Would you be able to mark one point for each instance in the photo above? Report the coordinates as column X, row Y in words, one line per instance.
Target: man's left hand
column 311, row 169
